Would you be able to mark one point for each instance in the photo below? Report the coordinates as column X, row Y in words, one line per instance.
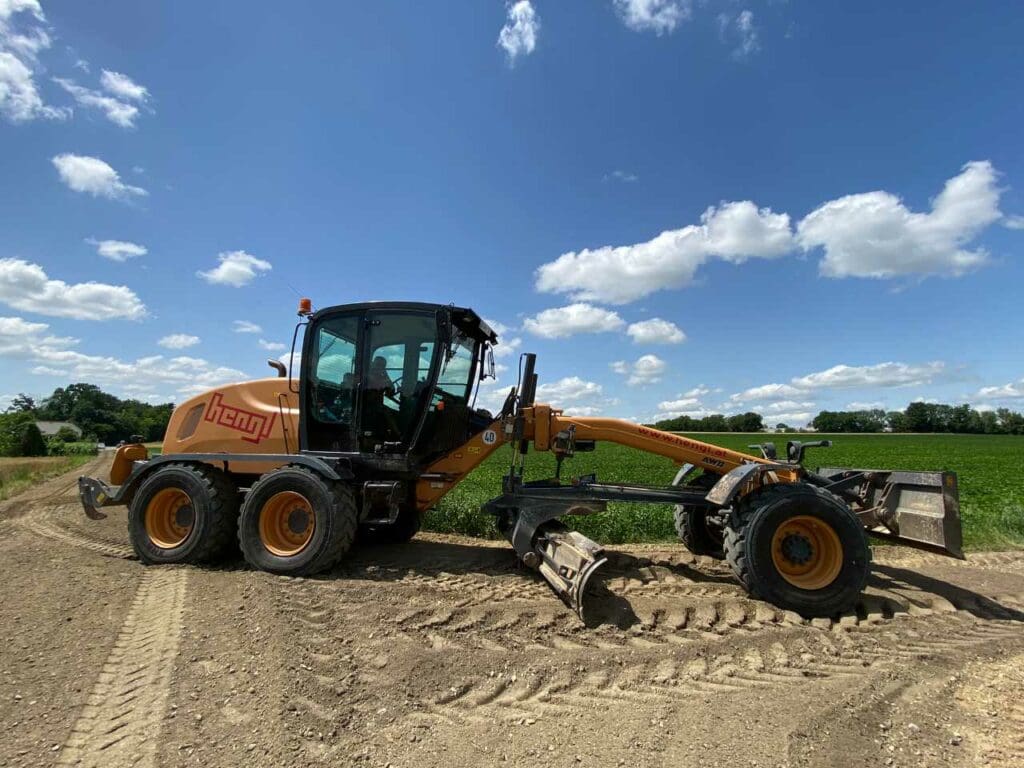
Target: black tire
column 402, row 530
column 750, row 535
column 212, row 507
column 334, row 520
column 695, row 533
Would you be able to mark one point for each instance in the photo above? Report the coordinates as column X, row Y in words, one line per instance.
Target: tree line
column 102, row 417
column 917, row 417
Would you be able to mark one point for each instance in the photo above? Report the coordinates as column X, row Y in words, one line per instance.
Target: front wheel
column 696, row 532
column 799, row 547
column 297, row 523
column 183, row 513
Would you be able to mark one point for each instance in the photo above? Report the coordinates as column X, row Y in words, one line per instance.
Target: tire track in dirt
column 51, row 529
column 121, row 720
column 655, row 678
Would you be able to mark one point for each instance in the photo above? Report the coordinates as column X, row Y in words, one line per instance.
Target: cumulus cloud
column 561, row 322
column 53, row 356
column 881, row 375
column 178, row 341
column 118, row 250
column 732, row 232
column 1014, row 222
column 27, row 287
column 656, row 331
column 862, row 235
column 93, row 176
column 23, row 36
column 646, row 369
column 519, row 35
column 861, row 405
column 658, row 16
column 244, row 326
column 272, row 346
column 236, row 268
column 1010, row 391
column 874, row 234
column 576, row 396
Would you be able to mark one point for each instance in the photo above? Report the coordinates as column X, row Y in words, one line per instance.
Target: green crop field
column 989, row 469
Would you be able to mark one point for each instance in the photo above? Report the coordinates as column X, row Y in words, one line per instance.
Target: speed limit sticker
column 490, row 437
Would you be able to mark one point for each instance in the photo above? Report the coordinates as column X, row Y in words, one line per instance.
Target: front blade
column 920, row 509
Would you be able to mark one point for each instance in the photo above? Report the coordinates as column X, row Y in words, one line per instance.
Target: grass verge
column 17, row 474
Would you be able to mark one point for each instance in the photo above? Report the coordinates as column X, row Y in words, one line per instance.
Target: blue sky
column 682, row 207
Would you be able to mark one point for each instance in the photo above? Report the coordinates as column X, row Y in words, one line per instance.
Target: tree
column 22, row 403
column 782, row 427
column 19, row 435
column 66, row 435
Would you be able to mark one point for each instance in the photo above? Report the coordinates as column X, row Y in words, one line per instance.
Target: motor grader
column 379, row 423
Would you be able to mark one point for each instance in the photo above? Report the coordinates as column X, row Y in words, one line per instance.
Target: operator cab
column 392, row 378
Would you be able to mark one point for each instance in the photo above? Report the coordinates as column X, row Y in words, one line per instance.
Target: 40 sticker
column 490, row 437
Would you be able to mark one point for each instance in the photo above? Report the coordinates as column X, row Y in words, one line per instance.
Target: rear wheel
column 295, row 522
column 696, row 532
column 183, row 513
column 799, row 547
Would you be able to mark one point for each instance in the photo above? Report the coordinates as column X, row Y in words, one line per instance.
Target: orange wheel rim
column 169, row 518
column 286, row 523
column 807, row 552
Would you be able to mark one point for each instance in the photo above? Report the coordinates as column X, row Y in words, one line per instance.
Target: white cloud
column 189, row 375
column 785, row 405
column 23, row 36
column 90, row 174
column 646, row 369
column 272, row 346
column 123, row 86
column 766, row 392
column 841, row 377
column 560, row 322
column 23, row 340
column 519, row 35
column 574, row 395
column 1010, row 391
column 653, row 15
column 178, row 341
column 244, row 326
column 699, row 391
column 507, row 348
column 118, row 250
column 624, row 176
column 117, row 112
column 236, row 268
column 880, row 375
column 680, row 406
column 732, row 232
column 1014, row 222
column 742, row 29
column 27, row 287
column 875, row 235
column 656, row 331
column 860, row 405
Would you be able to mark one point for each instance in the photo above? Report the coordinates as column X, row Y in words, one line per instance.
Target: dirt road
column 443, row 653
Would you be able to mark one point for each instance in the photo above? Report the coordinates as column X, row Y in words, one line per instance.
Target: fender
column 728, row 487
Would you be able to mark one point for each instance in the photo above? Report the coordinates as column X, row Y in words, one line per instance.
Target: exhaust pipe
column 568, row 560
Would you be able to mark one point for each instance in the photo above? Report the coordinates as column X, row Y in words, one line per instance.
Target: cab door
column 330, row 384
column 396, row 376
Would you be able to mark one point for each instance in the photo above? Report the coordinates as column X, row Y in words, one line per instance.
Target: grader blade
column 917, row 509
column 568, row 560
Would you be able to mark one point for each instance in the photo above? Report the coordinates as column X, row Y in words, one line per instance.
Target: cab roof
column 464, row 318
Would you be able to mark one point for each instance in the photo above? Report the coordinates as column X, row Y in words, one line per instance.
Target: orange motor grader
column 380, row 424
